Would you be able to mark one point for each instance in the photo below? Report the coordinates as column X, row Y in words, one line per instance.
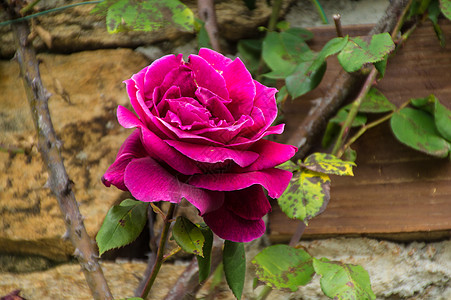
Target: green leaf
column 358, row 51
column 122, row 225
column 282, row 266
column 445, row 6
column 381, row 66
column 442, row 117
column 342, row 115
column 276, row 56
column 306, row 196
column 124, row 15
column 296, row 47
column 302, row 33
column 234, row 259
column 343, row 281
column 188, row 236
column 375, row 102
column 335, row 123
column 249, row 52
column 283, row 51
column 350, row 154
column 416, row 129
column 289, row 166
column 329, row 164
column 205, row 262
column 332, row 47
column 302, row 80
column 203, row 40
column 132, row 298
column 433, row 14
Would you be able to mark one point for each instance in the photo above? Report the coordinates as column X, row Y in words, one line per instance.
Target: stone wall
column 86, row 88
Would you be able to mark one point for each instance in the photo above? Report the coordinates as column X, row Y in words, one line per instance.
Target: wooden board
column 396, row 192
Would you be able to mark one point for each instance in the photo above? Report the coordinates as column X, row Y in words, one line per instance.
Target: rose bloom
column 199, row 135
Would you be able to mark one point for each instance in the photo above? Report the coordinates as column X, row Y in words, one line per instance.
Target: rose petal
column 250, row 203
column 132, row 148
column 149, row 182
column 180, row 77
column 212, row 154
column 265, row 99
column 215, row 104
column 155, row 146
column 207, row 77
column 241, row 88
column 155, row 74
column 275, row 181
column 271, row 154
column 230, row 226
column 218, row 61
column 138, row 105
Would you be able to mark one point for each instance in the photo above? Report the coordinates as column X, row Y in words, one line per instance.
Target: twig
column 313, row 126
column 338, row 27
column 160, row 254
column 207, row 14
column 188, row 282
column 49, row 146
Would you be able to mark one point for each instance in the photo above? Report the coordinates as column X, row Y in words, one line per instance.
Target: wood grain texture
column 396, row 192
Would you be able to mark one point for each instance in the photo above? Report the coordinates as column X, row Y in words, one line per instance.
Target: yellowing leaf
column 307, row 195
column 329, row 164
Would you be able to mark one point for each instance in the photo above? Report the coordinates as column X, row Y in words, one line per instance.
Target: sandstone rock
column 75, row 29
column 86, row 88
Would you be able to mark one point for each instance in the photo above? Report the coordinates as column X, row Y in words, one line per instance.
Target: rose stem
column 49, row 147
column 364, row 128
column 207, row 13
column 344, row 131
column 160, row 253
column 151, row 216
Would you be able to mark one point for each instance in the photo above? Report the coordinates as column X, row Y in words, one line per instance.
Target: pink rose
column 199, row 136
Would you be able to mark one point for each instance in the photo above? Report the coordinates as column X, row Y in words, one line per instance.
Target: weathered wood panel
column 395, row 190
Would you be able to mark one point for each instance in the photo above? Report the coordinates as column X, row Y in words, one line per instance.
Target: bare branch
column 207, row 14
column 49, row 146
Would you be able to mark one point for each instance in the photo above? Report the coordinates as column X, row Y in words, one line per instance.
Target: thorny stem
column 160, row 254
column 364, row 128
column 49, row 147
